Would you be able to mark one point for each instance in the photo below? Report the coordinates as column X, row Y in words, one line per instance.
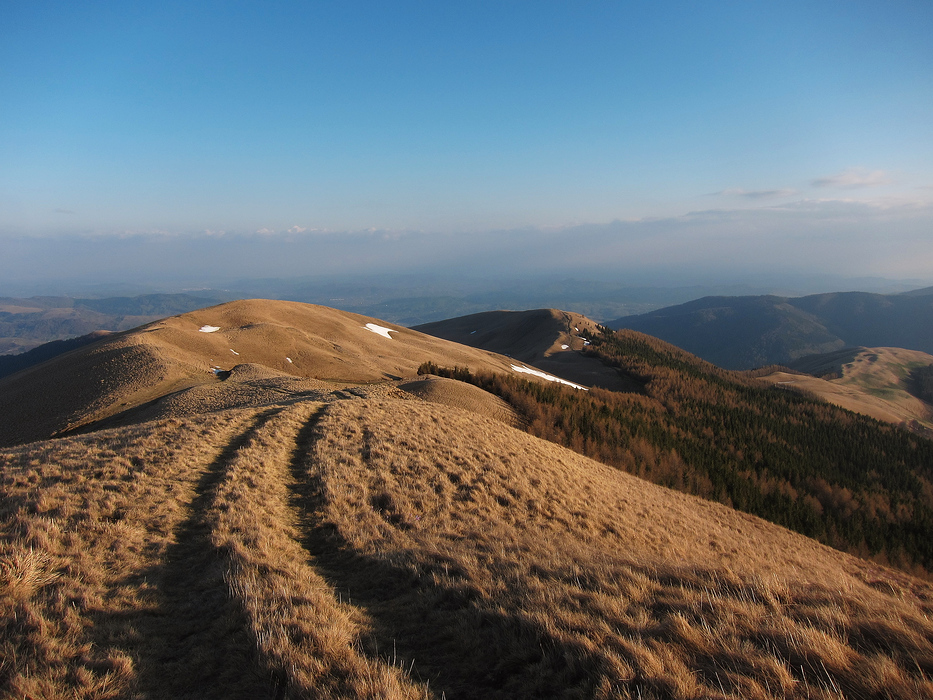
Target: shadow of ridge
column 196, row 642
column 450, row 635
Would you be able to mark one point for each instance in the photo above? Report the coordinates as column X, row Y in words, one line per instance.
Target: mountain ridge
column 548, row 339
column 174, row 356
column 749, row 332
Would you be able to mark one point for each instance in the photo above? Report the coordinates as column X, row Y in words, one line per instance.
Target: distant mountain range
column 752, row 331
column 14, row 363
column 27, row 323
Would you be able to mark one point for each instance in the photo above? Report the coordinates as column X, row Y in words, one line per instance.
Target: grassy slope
column 369, row 546
column 359, row 542
column 545, row 338
column 849, row 481
column 856, row 484
column 871, row 381
column 130, row 370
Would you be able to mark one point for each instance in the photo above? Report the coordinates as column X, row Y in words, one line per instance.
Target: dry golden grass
column 360, row 545
column 306, row 637
column 449, row 392
column 123, row 379
column 509, row 567
column 86, row 527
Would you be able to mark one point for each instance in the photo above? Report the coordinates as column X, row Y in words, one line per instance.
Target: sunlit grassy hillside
column 309, row 518
column 376, row 545
column 876, row 382
column 184, row 359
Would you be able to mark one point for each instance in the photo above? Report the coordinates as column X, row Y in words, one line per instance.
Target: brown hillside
column 123, row 376
column 357, row 546
column 449, row 392
column 544, row 338
column 871, row 381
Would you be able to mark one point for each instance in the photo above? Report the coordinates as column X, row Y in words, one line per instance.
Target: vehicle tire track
column 307, row 640
column 196, row 643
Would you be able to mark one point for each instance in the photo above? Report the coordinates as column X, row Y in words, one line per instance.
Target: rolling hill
column 339, row 527
column 875, row 382
column 220, row 357
column 548, row 339
column 749, row 332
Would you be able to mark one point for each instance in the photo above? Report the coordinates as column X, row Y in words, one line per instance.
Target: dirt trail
column 366, row 544
column 195, row 643
column 308, row 640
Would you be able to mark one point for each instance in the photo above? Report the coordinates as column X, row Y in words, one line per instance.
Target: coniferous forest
column 920, row 382
column 849, row 481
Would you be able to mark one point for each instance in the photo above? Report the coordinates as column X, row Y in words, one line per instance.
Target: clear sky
column 295, row 137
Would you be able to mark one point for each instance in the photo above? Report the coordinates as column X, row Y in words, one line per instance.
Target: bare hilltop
column 266, row 499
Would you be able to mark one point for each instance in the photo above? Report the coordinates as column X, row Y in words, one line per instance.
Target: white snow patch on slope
column 544, row 375
column 564, row 347
column 289, row 360
column 209, row 329
column 380, row 330
column 234, row 351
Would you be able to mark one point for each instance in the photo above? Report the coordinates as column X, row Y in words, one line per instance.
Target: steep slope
column 844, row 479
column 371, row 546
column 548, row 339
column 748, row 332
column 122, row 376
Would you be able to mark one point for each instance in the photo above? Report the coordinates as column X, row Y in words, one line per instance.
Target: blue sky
column 774, row 137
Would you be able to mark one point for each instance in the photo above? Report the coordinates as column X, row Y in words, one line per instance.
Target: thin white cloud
column 297, row 229
column 853, row 178
column 756, row 194
column 265, row 231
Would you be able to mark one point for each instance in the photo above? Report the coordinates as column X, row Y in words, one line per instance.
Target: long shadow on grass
column 447, row 635
column 196, row 643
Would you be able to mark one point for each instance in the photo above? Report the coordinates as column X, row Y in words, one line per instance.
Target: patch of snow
column 564, row 347
column 544, row 375
column 380, row 330
column 289, row 360
column 209, row 329
column 234, row 351
column 472, row 332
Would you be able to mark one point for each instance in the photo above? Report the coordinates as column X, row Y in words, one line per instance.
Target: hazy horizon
column 670, row 145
